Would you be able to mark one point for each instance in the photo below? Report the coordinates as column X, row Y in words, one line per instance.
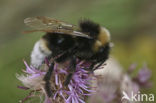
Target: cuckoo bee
column 88, row 41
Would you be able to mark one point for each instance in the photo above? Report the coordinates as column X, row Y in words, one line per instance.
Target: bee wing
column 46, row 24
column 74, row 33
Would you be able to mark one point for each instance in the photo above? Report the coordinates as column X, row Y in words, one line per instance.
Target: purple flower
column 34, row 73
column 143, row 77
column 131, row 68
column 75, row 92
column 78, row 85
column 144, row 74
column 110, row 89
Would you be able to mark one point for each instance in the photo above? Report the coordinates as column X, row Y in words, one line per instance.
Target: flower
column 75, row 92
column 107, row 86
column 143, row 77
column 112, row 82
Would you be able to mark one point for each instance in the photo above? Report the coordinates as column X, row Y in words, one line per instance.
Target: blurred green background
column 132, row 24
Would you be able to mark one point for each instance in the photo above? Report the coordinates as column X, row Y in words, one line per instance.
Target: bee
column 63, row 41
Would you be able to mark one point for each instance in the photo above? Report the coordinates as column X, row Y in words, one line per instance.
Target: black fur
column 72, row 69
column 58, row 43
column 72, row 48
column 47, row 80
column 90, row 28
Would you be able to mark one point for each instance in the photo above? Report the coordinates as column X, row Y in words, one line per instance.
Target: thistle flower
column 112, row 81
column 143, row 77
column 75, row 92
column 108, row 85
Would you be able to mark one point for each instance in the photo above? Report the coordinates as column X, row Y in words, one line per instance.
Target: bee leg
column 98, row 65
column 72, row 69
column 47, row 80
column 91, row 67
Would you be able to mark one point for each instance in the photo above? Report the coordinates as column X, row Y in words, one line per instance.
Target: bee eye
column 60, row 40
column 101, row 50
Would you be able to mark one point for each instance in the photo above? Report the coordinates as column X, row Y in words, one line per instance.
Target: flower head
column 75, row 92
column 112, row 82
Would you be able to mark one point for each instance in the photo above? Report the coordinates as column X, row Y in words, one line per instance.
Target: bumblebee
column 88, row 41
